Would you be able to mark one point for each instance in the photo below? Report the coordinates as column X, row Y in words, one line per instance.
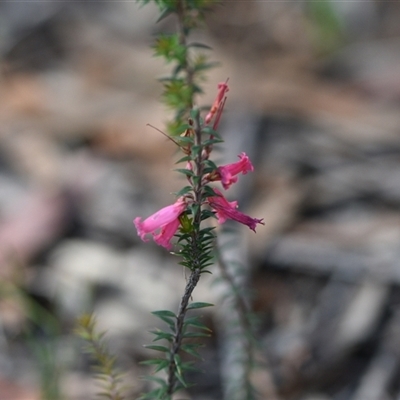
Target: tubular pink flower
column 225, row 209
column 227, row 172
column 220, row 203
column 167, row 233
column 166, row 220
column 218, row 102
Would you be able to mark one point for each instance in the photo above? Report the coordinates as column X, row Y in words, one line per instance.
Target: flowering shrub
column 186, row 219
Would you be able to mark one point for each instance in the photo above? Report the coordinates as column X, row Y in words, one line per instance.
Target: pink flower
column 218, row 103
column 166, row 220
column 225, row 209
column 227, row 172
column 166, row 234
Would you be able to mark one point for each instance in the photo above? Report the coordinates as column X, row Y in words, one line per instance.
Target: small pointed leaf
column 157, row 348
column 199, row 304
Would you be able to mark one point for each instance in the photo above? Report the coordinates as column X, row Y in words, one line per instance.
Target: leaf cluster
column 106, row 372
column 188, row 65
column 194, row 9
column 197, row 247
column 193, row 329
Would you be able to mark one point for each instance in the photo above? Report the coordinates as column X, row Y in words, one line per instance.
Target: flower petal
column 167, row 233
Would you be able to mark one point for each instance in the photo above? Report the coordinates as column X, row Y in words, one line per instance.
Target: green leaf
column 190, row 348
column 161, row 366
column 178, row 371
column 210, row 142
column 156, row 394
column 195, row 335
column 205, row 214
column 198, row 304
column 209, row 131
column 157, row 348
column 194, row 321
column 207, row 265
column 183, row 236
column 184, row 191
column 177, row 70
column 159, row 363
column 194, row 208
column 210, row 164
column 164, row 313
column 205, row 66
column 153, row 361
column 164, row 14
column 185, row 171
column 188, row 366
column 184, row 159
column 208, row 233
column 166, row 316
column 185, row 140
column 194, row 113
column 153, row 378
column 181, row 379
column 206, row 272
column 183, row 127
column 208, row 170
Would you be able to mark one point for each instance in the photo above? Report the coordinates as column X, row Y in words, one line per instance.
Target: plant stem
column 191, row 284
column 181, row 12
column 242, row 311
column 198, row 193
column 195, row 262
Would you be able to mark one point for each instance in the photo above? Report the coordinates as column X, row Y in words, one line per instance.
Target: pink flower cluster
column 164, row 223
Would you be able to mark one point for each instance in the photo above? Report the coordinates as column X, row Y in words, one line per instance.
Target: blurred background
column 314, row 100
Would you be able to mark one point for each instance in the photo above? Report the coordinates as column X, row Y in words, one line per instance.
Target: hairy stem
column 191, row 284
